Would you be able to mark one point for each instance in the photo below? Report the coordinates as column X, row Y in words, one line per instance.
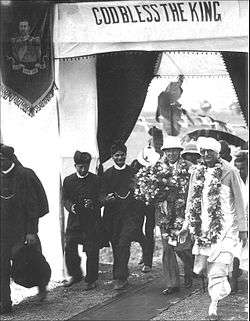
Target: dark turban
column 81, row 158
column 118, row 147
column 7, row 151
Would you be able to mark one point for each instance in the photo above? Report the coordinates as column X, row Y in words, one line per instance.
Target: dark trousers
column 7, row 249
column 5, row 266
column 73, row 260
column 170, row 265
column 147, row 241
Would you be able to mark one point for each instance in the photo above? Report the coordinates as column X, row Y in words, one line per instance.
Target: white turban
column 209, row 143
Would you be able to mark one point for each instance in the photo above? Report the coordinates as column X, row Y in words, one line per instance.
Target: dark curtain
column 237, row 67
column 122, row 82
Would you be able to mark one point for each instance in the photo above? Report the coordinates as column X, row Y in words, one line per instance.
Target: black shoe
column 170, row 290
column 72, row 281
column 6, row 309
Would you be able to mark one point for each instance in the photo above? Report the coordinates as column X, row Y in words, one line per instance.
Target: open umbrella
column 231, row 139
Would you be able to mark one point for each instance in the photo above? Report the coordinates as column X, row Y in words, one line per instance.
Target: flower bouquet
column 166, row 188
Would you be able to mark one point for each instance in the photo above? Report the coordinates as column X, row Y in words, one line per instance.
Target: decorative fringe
column 131, row 52
column 23, row 104
column 236, row 94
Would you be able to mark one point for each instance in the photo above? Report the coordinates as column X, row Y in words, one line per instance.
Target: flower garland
column 166, row 187
column 214, row 208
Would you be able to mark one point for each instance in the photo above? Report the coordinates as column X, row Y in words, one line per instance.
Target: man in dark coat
column 121, row 214
column 23, row 201
column 81, row 192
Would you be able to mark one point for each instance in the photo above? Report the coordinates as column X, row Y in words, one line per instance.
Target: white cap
column 148, row 156
column 171, row 142
column 209, row 143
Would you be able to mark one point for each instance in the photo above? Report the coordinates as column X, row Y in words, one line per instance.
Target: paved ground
column 141, row 301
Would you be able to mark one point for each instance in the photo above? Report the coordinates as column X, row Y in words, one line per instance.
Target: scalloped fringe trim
column 23, row 104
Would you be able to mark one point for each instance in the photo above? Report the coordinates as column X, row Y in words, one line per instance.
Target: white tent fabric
column 77, row 110
column 192, row 64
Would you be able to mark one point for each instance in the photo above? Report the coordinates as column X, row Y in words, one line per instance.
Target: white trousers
column 217, row 272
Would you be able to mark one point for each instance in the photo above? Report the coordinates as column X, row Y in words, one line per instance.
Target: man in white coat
column 215, row 215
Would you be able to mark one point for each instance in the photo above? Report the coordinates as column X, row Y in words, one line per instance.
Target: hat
column 148, row 156
column 118, row 147
column 7, row 151
column 209, row 143
column 171, row 142
column 191, row 148
column 80, row 158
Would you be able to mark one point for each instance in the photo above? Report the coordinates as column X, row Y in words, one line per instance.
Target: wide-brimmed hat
column 171, row 142
column 191, row 148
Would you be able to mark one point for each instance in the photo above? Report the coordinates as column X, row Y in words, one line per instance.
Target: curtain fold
column 237, row 67
column 122, row 82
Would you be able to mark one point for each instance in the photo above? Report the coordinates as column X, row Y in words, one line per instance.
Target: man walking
column 23, row 201
column 121, row 213
column 215, row 215
column 81, row 199
column 169, row 216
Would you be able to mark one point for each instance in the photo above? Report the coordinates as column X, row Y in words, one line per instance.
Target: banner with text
column 141, row 21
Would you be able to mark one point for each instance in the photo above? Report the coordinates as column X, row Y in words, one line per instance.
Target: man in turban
column 121, row 212
column 81, row 199
column 215, row 215
column 23, row 201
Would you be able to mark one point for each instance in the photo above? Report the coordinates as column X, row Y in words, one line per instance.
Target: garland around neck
column 214, row 209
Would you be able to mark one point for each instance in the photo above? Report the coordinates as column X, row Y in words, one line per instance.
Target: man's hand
column 182, row 235
column 30, row 239
column 243, row 236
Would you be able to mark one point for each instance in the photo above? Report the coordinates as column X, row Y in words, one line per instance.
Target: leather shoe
column 90, row 286
column 6, row 309
column 170, row 290
column 72, row 281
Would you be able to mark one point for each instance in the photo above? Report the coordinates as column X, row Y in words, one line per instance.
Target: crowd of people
column 201, row 213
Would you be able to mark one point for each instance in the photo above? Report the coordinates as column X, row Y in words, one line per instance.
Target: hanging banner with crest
column 27, row 61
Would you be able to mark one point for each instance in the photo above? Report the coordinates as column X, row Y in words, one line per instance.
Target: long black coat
column 122, row 215
column 87, row 223
column 23, row 201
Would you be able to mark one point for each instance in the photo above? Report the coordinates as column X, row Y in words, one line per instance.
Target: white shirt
column 119, row 168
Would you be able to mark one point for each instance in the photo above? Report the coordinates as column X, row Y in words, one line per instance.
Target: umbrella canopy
column 231, row 139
